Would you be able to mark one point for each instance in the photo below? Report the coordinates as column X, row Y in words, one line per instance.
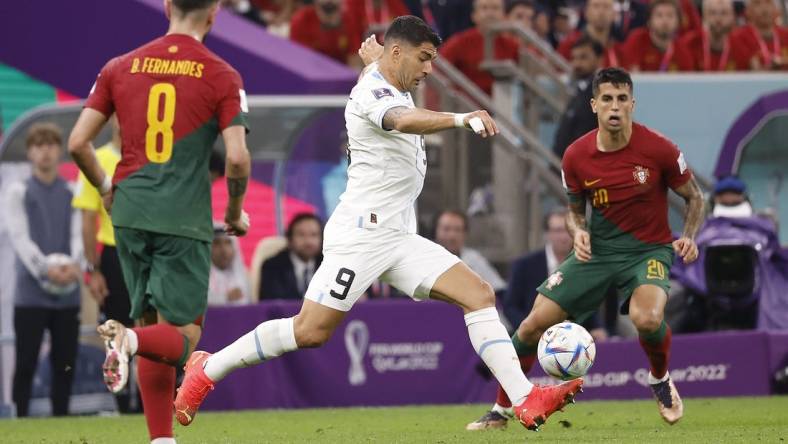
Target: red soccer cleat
column 544, row 401
column 194, row 389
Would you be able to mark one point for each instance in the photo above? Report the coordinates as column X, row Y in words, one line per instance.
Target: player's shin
column 267, row 341
column 157, row 386
column 656, row 344
column 527, row 356
column 492, row 343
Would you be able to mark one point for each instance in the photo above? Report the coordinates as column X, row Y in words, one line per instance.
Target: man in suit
column 287, row 275
column 529, row 271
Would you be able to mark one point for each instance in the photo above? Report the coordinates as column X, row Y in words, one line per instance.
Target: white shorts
column 354, row 257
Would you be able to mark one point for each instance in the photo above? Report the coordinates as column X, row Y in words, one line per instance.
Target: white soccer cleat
column 116, row 364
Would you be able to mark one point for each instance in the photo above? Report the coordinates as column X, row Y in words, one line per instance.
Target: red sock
column 526, row 362
column 157, row 387
column 162, row 343
column 658, row 353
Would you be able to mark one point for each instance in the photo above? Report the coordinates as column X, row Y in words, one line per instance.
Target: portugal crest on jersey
column 640, row 174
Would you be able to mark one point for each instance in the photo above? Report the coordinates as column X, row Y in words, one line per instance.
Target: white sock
column 163, row 441
column 131, row 335
column 653, row 380
column 494, row 346
column 501, row 410
column 269, row 340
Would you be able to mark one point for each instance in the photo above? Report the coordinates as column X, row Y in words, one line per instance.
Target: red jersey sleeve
column 569, row 178
column 231, row 106
column 671, row 159
column 100, row 96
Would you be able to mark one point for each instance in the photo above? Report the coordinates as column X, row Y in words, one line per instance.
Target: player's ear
column 593, row 105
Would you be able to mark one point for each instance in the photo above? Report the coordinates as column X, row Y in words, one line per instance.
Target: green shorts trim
column 580, row 287
column 166, row 273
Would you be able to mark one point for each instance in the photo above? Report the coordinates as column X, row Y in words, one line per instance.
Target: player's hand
column 97, row 285
column 582, row 246
column 490, row 128
column 237, row 227
column 686, row 249
column 370, row 50
column 107, row 200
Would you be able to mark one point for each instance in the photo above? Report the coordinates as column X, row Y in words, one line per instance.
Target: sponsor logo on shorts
column 554, row 280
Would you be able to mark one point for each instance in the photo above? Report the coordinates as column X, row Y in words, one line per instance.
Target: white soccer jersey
column 387, row 168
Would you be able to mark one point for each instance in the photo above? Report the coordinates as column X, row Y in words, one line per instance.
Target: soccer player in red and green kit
column 625, row 170
column 173, row 97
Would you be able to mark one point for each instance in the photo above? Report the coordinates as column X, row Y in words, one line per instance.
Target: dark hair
column 595, row 46
column 654, row 3
column 187, row 6
column 413, row 30
column 556, row 211
column 511, row 4
column 44, row 133
column 297, row 219
column 453, row 212
column 616, row 76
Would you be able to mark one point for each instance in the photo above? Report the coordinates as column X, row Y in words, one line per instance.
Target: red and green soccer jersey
column 172, row 97
column 628, row 188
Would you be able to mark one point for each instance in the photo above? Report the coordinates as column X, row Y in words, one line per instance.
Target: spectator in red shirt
column 690, row 18
column 767, row 43
column 376, row 12
column 654, row 48
column 465, row 50
column 599, row 16
column 329, row 30
column 711, row 48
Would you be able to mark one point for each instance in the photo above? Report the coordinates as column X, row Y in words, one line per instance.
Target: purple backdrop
column 65, row 43
column 402, row 352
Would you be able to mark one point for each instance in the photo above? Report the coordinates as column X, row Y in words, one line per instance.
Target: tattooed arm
column 693, row 218
column 578, row 228
column 422, row 121
column 238, row 166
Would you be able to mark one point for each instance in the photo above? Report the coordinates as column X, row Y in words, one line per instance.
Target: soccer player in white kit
column 372, row 234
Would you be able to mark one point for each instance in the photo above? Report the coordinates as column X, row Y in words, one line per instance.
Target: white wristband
column 459, row 120
column 106, row 186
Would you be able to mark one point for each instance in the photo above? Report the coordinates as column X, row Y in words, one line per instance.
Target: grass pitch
column 741, row 420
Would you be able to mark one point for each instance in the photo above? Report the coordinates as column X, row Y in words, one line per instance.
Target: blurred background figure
column 529, row 271
column 654, row 48
column 766, row 41
column 229, row 282
column 730, row 198
column 105, row 279
column 287, row 275
column 599, row 16
column 712, row 48
column 245, row 9
column 44, row 232
column 465, row 50
column 579, row 118
column 330, row 30
column 451, row 231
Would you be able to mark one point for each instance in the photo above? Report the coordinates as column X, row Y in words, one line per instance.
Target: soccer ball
column 566, row 351
column 54, row 260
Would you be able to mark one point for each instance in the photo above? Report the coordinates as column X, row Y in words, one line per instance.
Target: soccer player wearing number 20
column 172, row 97
column 372, row 234
column 625, row 170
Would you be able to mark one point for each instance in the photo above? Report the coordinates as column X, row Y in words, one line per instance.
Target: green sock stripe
column 185, row 354
column 656, row 336
column 521, row 347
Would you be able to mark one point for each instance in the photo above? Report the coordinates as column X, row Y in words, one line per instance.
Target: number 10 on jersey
column 160, row 127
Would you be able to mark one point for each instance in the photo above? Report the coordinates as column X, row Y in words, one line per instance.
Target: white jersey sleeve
column 374, row 97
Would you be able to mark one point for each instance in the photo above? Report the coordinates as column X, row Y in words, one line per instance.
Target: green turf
column 745, row 420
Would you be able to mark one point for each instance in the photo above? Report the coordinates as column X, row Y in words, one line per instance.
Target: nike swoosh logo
column 588, row 183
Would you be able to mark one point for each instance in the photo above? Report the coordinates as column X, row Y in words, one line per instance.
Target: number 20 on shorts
column 160, row 127
column 655, row 270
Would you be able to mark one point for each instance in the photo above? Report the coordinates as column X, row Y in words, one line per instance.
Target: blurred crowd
column 640, row 35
